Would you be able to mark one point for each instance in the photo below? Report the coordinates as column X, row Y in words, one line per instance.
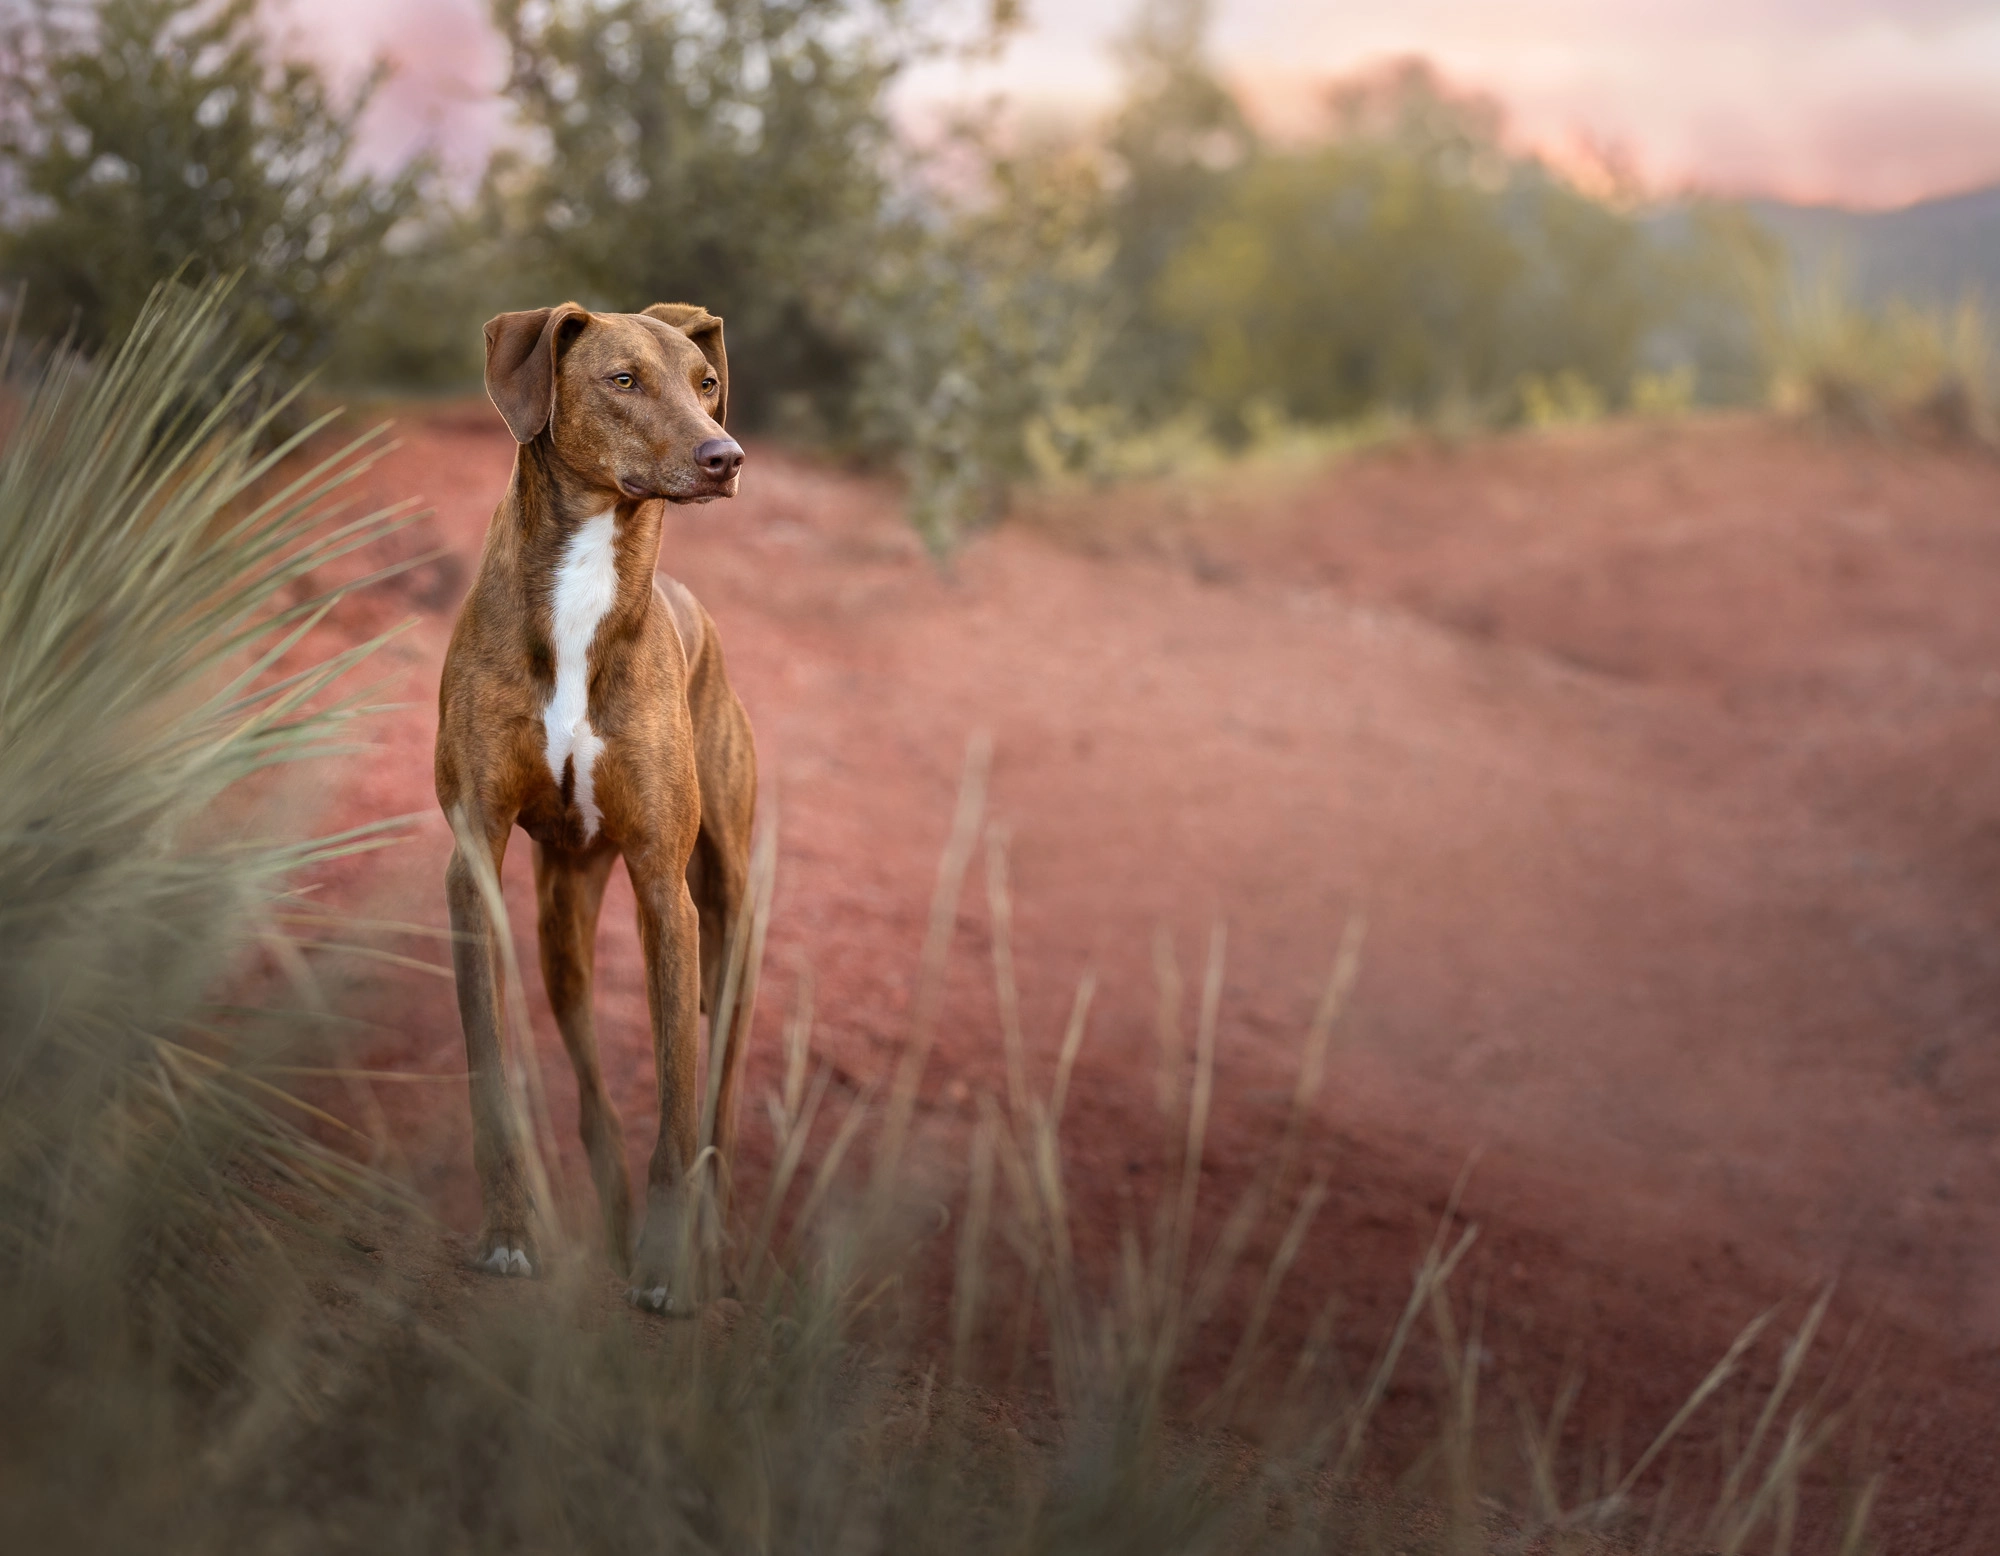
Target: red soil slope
column 1661, row 762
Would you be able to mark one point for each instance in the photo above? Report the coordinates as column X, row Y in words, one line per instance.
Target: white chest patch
column 586, row 585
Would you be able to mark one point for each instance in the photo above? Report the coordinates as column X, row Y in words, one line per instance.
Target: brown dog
column 585, row 701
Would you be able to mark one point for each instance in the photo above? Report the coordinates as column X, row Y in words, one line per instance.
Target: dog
column 584, row 699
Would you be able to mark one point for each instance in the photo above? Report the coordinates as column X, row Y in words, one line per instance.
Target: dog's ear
column 705, row 330
column 521, row 352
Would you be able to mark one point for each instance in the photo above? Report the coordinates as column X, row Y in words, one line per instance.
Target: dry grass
column 1900, row 369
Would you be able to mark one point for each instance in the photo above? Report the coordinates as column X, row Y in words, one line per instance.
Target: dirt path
column 1660, row 763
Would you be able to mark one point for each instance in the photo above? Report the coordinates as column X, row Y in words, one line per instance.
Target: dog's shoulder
column 689, row 619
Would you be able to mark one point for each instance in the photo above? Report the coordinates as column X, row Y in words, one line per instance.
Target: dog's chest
column 584, row 590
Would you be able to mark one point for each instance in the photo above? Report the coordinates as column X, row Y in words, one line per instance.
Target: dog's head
column 631, row 402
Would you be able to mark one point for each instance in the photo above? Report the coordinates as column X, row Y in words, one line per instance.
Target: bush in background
column 142, row 139
column 1375, row 270
column 1177, row 283
column 1903, row 367
column 441, row 274
column 734, row 153
column 1408, row 262
column 985, row 339
column 1172, row 151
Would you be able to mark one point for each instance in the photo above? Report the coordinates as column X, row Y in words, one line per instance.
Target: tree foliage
column 1176, row 145
column 144, row 138
column 735, row 153
column 1165, row 276
column 985, row 333
column 1407, row 261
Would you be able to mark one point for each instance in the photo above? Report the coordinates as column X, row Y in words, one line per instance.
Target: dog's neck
column 550, row 511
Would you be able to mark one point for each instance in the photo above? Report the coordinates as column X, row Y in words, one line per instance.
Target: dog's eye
column 708, row 386
column 623, row 380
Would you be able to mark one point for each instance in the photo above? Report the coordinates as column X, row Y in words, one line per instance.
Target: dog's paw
column 508, row 1261
column 672, row 1300
column 505, row 1253
column 675, row 1270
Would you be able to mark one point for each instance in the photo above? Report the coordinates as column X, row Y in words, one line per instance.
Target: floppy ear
column 705, row 330
column 521, row 350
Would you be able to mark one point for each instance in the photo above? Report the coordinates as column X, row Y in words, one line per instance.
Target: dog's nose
column 720, row 457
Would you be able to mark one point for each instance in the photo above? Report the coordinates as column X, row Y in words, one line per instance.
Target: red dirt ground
column 1660, row 760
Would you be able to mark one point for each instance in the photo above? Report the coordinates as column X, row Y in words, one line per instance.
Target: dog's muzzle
column 717, row 461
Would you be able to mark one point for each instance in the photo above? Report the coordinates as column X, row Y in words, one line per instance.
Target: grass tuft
column 161, row 552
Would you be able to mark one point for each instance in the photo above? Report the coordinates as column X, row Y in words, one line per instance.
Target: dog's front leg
column 507, row 1244
column 568, row 894
column 673, row 1270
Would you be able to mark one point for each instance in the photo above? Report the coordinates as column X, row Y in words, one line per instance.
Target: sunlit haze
column 1864, row 102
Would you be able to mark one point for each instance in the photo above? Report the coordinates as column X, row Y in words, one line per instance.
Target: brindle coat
column 617, row 412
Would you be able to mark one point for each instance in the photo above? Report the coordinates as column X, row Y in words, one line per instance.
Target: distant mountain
column 1933, row 251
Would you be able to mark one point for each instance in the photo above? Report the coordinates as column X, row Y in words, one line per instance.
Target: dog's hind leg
column 507, row 1244
column 719, row 879
column 718, row 875
column 568, row 893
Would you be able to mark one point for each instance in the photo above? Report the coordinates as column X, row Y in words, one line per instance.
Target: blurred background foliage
column 142, row 138
column 735, row 152
column 990, row 306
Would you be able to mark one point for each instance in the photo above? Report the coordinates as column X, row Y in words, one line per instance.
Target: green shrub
column 983, row 340
column 418, row 328
column 1173, row 149
column 147, row 138
column 737, row 155
column 1408, row 263
column 1139, row 297
column 1335, row 283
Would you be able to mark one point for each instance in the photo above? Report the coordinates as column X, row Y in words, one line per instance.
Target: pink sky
column 1869, row 102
